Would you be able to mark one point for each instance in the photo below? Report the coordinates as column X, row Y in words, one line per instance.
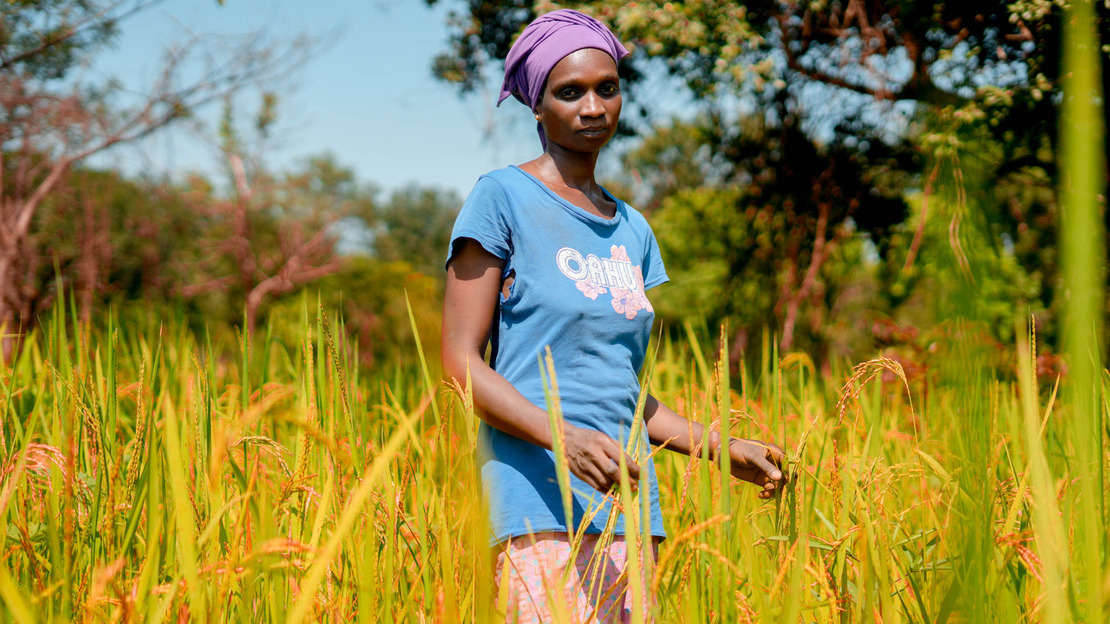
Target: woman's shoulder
column 491, row 185
column 505, row 176
column 503, row 182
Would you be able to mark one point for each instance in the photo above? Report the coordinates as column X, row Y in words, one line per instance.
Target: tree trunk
column 17, row 289
column 88, row 270
column 13, row 304
column 815, row 261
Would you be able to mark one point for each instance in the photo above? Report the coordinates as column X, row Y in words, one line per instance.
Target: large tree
column 52, row 117
column 101, row 237
column 854, row 105
column 935, row 53
column 267, row 233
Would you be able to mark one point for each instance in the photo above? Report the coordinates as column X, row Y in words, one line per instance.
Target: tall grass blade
column 14, row 602
column 1082, row 191
column 371, row 478
column 428, row 383
column 558, row 435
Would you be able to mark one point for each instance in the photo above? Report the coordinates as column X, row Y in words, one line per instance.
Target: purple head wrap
column 544, row 43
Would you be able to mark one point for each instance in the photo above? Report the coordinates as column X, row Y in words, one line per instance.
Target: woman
column 547, row 258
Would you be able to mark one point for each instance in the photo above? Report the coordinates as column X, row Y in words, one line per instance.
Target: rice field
column 148, row 475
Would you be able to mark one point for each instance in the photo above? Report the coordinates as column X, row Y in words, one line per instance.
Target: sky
column 367, row 95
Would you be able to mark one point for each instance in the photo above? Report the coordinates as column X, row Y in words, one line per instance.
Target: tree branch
column 77, row 28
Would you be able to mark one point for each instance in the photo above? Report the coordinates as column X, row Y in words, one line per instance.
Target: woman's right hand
column 595, row 458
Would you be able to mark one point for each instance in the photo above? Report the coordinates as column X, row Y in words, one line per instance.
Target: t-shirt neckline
column 576, row 210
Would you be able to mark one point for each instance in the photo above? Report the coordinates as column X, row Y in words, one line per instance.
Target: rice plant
column 149, row 475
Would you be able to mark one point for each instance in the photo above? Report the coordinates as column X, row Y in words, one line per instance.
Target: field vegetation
column 151, row 474
column 219, row 399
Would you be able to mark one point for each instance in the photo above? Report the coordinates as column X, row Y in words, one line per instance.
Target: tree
column 375, row 298
column 269, row 234
column 938, row 53
column 890, row 84
column 747, row 239
column 102, row 237
column 50, row 121
column 415, row 227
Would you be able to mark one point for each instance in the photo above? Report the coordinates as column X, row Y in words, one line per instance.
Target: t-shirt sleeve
column 654, row 272
column 484, row 217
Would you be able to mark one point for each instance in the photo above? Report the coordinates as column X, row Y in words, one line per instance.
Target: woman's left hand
column 759, row 463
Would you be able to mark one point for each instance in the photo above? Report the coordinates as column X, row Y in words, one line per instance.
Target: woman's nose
column 591, row 105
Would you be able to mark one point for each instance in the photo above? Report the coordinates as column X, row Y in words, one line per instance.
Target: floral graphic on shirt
column 615, row 275
column 589, row 288
column 626, row 302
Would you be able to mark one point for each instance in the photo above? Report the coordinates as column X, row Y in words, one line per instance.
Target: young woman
column 542, row 257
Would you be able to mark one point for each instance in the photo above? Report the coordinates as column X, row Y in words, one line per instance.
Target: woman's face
column 581, row 102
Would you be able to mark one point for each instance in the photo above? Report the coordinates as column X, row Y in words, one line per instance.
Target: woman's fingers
column 600, row 480
column 613, row 451
column 758, row 463
column 595, row 458
column 610, row 460
column 770, row 470
column 771, row 454
column 606, row 474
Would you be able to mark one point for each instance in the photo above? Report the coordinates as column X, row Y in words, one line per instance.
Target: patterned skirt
column 536, row 580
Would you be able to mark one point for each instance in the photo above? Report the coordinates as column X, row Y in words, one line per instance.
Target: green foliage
column 291, row 484
column 881, row 92
column 952, row 51
column 107, row 237
column 45, row 39
column 719, row 258
column 726, row 267
column 111, row 240
column 372, row 297
column 673, row 157
column 485, row 30
column 750, row 216
column 414, row 226
column 965, row 228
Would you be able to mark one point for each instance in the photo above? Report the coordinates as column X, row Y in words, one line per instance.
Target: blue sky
column 368, row 97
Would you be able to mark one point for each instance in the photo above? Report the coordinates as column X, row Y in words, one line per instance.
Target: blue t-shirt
column 578, row 288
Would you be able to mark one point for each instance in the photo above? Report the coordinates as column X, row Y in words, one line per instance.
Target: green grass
column 149, row 475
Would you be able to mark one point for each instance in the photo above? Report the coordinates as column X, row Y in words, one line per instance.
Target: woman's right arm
column 473, row 286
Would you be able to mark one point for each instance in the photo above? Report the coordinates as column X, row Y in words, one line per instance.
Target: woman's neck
column 571, row 176
column 569, row 169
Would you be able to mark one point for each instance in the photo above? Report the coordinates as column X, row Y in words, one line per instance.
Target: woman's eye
column 568, row 94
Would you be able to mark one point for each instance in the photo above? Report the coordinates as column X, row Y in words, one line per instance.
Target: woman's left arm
column 752, row 460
